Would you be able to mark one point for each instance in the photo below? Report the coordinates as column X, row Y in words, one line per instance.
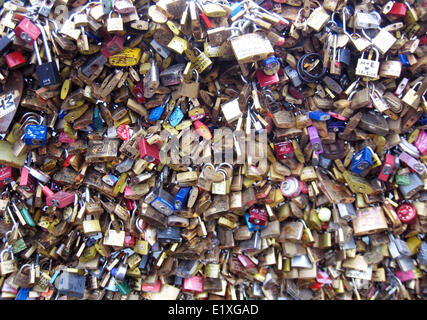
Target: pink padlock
column 65, row 138
column 193, row 284
column 245, row 261
column 150, row 287
column 405, row 275
column 421, row 142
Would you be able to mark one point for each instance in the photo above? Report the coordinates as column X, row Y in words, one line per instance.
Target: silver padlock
column 367, row 20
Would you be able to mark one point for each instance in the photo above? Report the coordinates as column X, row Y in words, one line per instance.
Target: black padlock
column 47, row 72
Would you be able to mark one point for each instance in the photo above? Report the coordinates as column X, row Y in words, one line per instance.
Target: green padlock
column 123, row 287
column 403, row 180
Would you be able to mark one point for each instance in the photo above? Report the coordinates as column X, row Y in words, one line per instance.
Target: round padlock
column 291, row 187
column 407, row 213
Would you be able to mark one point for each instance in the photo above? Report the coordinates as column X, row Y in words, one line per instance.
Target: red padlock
column 129, row 240
column 193, row 284
column 14, row 59
column 138, row 92
column 387, row 168
column 258, row 216
column 27, row 31
column 113, row 46
column 149, row 152
column 7, row 175
column 26, row 181
column 284, row 150
column 398, row 10
column 407, row 213
column 266, row 80
column 60, row 199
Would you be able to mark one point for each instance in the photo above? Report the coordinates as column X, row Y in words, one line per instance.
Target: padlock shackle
column 45, row 44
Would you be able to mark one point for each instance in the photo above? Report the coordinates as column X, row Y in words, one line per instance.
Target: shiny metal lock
column 367, row 20
column 151, row 80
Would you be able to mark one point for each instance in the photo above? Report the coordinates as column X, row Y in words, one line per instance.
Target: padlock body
column 14, row 59
column 149, row 152
column 35, row 135
column 48, row 74
column 60, row 199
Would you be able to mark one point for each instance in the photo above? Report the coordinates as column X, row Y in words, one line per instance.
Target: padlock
column 362, row 160
column 191, row 89
column 15, row 60
column 367, row 20
column 150, row 153
column 411, row 97
column 110, row 48
column 162, row 201
column 387, row 167
column 258, row 216
column 151, row 80
column 114, row 24
column 27, row 31
column 47, row 73
column 366, row 67
column 114, row 238
column 7, row 266
column 315, row 140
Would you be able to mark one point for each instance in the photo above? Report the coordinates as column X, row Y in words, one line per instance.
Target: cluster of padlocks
column 207, row 149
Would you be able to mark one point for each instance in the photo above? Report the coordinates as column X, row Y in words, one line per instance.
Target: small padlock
column 191, row 89
column 411, row 97
column 47, row 73
column 114, row 24
column 366, row 67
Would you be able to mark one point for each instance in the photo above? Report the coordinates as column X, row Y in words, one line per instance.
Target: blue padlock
column 319, row 115
column 156, row 113
column 22, row 294
column 423, row 120
column 97, row 121
column 362, row 160
column 163, row 202
column 252, row 227
column 235, row 9
column 35, row 135
column 404, row 59
column 181, row 197
column 176, row 117
column 335, row 125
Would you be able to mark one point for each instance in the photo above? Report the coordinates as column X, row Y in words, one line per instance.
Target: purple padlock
column 315, row 140
column 412, row 163
column 421, row 142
